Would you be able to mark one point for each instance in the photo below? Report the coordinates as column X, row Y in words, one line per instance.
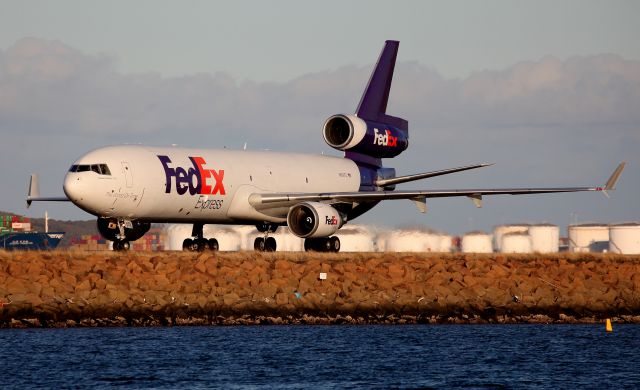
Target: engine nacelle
column 108, row 228
column 313, row 219
column 348, row 132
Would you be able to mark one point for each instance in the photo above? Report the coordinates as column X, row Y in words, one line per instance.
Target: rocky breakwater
column 45, row 289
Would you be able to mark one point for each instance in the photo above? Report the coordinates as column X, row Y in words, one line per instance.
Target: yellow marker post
column 608, row 326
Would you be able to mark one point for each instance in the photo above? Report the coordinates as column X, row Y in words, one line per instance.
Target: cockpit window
column 100, row 169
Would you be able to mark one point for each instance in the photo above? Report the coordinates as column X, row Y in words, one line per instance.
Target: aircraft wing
column 280, row 199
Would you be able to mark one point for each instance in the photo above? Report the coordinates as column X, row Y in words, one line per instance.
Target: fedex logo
column 195, row 179
column 384, row 139
column 331, row 220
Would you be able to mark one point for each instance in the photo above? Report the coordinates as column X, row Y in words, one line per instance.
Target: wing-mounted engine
column 109, row 229
column 314, row 219
column 354, row 134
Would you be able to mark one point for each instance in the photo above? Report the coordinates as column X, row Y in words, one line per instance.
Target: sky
column 547, row 90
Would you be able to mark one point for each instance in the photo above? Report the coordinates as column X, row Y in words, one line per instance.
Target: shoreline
column 87, row 289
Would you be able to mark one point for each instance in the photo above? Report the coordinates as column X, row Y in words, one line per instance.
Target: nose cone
column 73, row 187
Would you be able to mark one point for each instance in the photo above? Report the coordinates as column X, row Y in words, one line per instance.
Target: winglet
column 34, row 189
column 611, row 183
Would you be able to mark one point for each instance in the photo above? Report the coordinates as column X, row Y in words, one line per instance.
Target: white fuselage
column 173, row 184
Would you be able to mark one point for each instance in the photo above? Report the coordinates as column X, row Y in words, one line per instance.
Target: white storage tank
column 356, row 238
column 588, row 237
column 446, row 244
column 228, row 239
column 624, row 238
column 411, row 241
column 501, row 230
column 381, row 239
column 285, row 240
column 433, row 242
column 176, row 233
column 515, row 243
column 476, row 242
column 248, row 234
column 544, row 238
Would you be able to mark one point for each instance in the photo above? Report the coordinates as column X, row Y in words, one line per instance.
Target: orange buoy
column 608, row 326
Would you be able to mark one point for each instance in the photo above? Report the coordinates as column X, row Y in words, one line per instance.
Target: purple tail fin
column 373, row 104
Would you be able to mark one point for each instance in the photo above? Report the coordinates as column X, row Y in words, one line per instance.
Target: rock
column 15, row 269
column 230, row 299
column 68, row 279
column 16, row 286
column 282, row 299
column 362, row 288
column 201, row 264
column 396, row 271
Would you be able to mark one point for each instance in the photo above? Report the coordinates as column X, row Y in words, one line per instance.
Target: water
column 421, row 356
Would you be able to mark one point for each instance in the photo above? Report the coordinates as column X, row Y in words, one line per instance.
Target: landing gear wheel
column 121, row 246
column 187, row 244
column 270, row 244
column 307, row 245
column 314, row 244
column 334, row 243
column 201, row 244
column 259, row 244
column 325, row 245
column 213, row 244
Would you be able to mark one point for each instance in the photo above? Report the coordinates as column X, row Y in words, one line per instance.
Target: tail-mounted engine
column 379, row 140
column 108, row 228
column 314, row 219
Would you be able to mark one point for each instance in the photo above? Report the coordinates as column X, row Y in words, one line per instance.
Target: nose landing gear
column 121, row 243
column 121, row 246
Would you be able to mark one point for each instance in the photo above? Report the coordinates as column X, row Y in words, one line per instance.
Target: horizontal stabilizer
column 34, row 193
column 34, row 188
column 404, row 179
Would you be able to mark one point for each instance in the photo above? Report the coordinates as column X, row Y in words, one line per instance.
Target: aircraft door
column 127, row 174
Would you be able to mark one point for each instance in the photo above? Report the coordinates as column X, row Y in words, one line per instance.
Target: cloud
column 51, row 84
column 56, row 102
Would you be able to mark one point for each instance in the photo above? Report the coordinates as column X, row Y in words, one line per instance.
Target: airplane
column 129, row 187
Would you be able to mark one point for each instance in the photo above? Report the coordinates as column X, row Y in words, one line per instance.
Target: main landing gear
column 266, row 243
column 323, row 244
column 198, row 243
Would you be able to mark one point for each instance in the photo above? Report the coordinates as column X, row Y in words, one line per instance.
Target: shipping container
column 21, row 226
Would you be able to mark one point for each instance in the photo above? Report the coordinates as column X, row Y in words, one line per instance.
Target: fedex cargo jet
column 130, row 187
